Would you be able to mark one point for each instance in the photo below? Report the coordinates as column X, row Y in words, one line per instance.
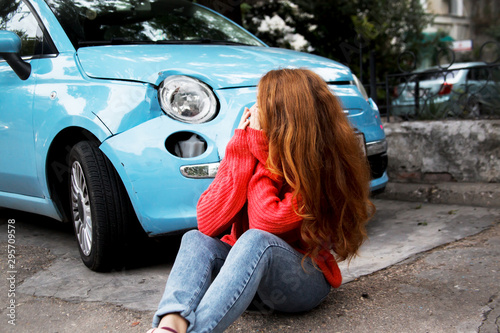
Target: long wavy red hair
column 314, row 148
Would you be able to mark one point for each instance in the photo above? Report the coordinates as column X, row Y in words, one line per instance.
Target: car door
column 18, row 170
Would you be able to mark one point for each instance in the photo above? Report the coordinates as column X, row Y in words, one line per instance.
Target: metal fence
column 458, row 90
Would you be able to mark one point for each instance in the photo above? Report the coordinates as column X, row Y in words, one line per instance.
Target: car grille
column 378, row 164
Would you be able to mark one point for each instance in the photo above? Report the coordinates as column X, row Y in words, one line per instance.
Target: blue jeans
column 211, row 283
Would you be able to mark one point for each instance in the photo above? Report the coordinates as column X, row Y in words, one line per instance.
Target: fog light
column 200, row 171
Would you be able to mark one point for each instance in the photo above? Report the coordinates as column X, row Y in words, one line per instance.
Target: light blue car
column 113, row 112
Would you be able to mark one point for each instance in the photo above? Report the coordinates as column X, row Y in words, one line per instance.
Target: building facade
column 465, row 19
column 455, row 17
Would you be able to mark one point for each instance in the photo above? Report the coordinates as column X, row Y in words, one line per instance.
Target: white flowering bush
column 275, row 23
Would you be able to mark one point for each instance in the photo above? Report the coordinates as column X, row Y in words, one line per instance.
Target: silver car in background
column 466, row 90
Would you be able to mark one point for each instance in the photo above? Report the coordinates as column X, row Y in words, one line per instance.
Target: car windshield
column 101, row 22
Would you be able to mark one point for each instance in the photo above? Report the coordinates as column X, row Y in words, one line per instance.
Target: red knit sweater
column 246, row 195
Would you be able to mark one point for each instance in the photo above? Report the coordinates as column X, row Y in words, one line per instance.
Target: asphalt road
column 425, row 268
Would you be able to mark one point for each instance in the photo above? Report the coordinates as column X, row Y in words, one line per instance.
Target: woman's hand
column 255, row 117
column 244, row 121
column 250, row 118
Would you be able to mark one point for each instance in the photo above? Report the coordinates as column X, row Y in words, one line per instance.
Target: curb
column 470, row 194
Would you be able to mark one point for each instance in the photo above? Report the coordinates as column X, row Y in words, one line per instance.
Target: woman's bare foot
column 173, row 321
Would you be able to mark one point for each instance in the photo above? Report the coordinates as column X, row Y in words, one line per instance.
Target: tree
column 486, row 29
column 346, row 30
column 485, row 17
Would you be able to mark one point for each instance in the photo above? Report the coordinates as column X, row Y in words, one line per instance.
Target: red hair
column 314, row 148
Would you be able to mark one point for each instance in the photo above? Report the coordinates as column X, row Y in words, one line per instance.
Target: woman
column 294, row 188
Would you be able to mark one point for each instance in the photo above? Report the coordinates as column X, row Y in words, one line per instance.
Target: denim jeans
column 211, row 283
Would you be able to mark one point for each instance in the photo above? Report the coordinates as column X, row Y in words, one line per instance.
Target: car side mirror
column 10, row 47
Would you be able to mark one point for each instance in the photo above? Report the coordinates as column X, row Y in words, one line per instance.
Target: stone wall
column 444, row 151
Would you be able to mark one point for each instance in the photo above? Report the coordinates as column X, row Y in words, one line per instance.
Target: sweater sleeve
column 227, row 194
column 258, row 144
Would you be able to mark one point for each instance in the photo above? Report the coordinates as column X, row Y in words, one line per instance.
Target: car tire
column 100, row 208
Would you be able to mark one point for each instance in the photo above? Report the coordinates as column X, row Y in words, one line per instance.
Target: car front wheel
column 100, row 208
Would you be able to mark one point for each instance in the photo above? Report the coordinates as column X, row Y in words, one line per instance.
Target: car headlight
column 360, row 87
column 187, row 99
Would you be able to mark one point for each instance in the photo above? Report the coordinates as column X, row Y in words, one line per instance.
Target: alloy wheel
column 80, row 204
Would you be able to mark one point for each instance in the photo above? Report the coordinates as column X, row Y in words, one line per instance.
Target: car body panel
column 220, row 66
column 60, row 103
column 379, row 183
column 17, row 171
column 362, row 114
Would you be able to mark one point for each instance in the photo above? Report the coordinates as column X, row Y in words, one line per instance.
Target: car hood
column 220, row 66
